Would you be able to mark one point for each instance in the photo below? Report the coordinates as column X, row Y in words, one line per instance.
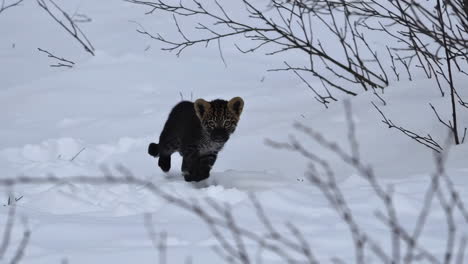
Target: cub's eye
column 211, row 124
column 227, row 123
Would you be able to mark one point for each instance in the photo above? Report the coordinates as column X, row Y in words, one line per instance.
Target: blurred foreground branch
column 406, row 246
column 236, row 242
column 18, row 253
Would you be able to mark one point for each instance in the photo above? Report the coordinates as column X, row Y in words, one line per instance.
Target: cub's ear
column 201, row 107
column 236, row 105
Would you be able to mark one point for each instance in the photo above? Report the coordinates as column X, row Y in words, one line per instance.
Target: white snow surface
column 112, row 105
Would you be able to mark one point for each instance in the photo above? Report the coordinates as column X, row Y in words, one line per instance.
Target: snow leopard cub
column 198, row 131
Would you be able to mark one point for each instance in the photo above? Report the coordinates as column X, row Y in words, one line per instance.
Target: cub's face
column 219, row 117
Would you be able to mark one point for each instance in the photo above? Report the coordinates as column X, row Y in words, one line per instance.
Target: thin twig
column 62, row 61
column 72, row 28
column 5, row 6
column 77, row 154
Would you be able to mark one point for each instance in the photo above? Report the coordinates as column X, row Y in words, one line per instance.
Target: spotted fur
column 198, row 131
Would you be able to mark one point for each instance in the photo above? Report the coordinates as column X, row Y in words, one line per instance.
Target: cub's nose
column 219, row 134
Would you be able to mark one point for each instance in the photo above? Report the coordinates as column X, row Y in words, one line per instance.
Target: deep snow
column 112, row 105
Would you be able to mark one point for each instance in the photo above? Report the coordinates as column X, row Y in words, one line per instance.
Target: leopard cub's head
column 219, row 117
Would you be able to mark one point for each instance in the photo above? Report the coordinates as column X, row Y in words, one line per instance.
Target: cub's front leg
column 197, row 168
column 190, row 155
column 189, row 167
column 204, row 165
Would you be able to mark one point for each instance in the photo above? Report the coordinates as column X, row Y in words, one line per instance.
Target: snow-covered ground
column 112, row 105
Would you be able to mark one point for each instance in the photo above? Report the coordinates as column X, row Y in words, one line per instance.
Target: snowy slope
column 112, row 105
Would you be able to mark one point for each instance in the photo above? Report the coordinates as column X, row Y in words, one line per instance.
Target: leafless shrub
column 432, row 36
column 406, row 247
column 282, row 28
column 230, row 235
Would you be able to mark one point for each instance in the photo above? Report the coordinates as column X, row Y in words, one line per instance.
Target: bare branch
column 351, row 66
column 161, row 245
column 322, row 177
column 62, row 61
column 4, row 6
column 7, row 230
column 427, row 141
column 19, row 253
column 72, row 28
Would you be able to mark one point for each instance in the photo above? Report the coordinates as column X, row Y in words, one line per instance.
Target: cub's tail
column 153, row 149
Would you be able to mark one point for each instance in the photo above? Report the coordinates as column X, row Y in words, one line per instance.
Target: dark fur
column 198, row 131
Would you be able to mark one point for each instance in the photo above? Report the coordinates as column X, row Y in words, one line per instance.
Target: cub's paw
column 196, row 176
column 201, row 175
column 165, row 163
column 153, row 149
column 188, row 177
